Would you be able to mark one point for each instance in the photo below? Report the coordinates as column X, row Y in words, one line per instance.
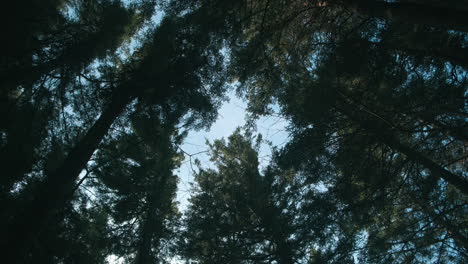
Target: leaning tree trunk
column 453, row 231
column 450, row 4
column 383, row 132
column 53, row 193
column 417, row 41
column 454, row 55
column 409, row 12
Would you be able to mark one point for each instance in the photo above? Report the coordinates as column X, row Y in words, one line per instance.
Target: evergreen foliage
column 96, row 96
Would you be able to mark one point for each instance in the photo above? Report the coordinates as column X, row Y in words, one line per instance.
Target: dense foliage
column 96, row 96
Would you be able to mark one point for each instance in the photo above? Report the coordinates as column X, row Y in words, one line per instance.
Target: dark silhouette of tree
column 362, row 102
column 416, row 12
column 235, row 215
column 141, row 187
column 63, row 49
column 95, row 97
column 183, row 62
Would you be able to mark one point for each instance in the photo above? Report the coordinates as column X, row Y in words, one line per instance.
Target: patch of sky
column 128, row 49
column 70, row 12
column 232, row 115
column 113, row 259
column 362, row 240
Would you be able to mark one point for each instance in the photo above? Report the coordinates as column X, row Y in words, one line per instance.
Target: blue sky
column 231, row 115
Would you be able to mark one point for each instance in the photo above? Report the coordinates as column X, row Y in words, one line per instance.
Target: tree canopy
column 97, row 96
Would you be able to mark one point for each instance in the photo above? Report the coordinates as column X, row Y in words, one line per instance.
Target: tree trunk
column 146, row 235
column 270, row 218
column 53, row 193
column 457, row 181
column 383, row 132
column 459, row 133
column 440, row 220
column 410, row 12
column 275, row 226
column 153, row 222
column 455, row 55
column 450, row 4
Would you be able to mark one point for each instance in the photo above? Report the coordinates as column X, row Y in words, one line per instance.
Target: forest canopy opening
column 345, row 139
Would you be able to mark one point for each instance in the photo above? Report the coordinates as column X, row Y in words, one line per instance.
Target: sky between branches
column 232, row 114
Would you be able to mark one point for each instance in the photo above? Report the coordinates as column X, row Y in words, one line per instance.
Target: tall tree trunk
column 146, row 235
column 410, row 12
column 152, row 223
column 421, row 42
column 270, row 217
column 383, row 132
column 455, row 55
column 283, row 250
column 273, row 224
column 450, row 4
column 459, row 133
column 53, row 193
column 439, row 219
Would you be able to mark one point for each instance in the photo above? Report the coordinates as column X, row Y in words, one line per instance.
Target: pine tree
column 135, row 176
column 185, row 66
column 362, row 104
column 237, row 214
